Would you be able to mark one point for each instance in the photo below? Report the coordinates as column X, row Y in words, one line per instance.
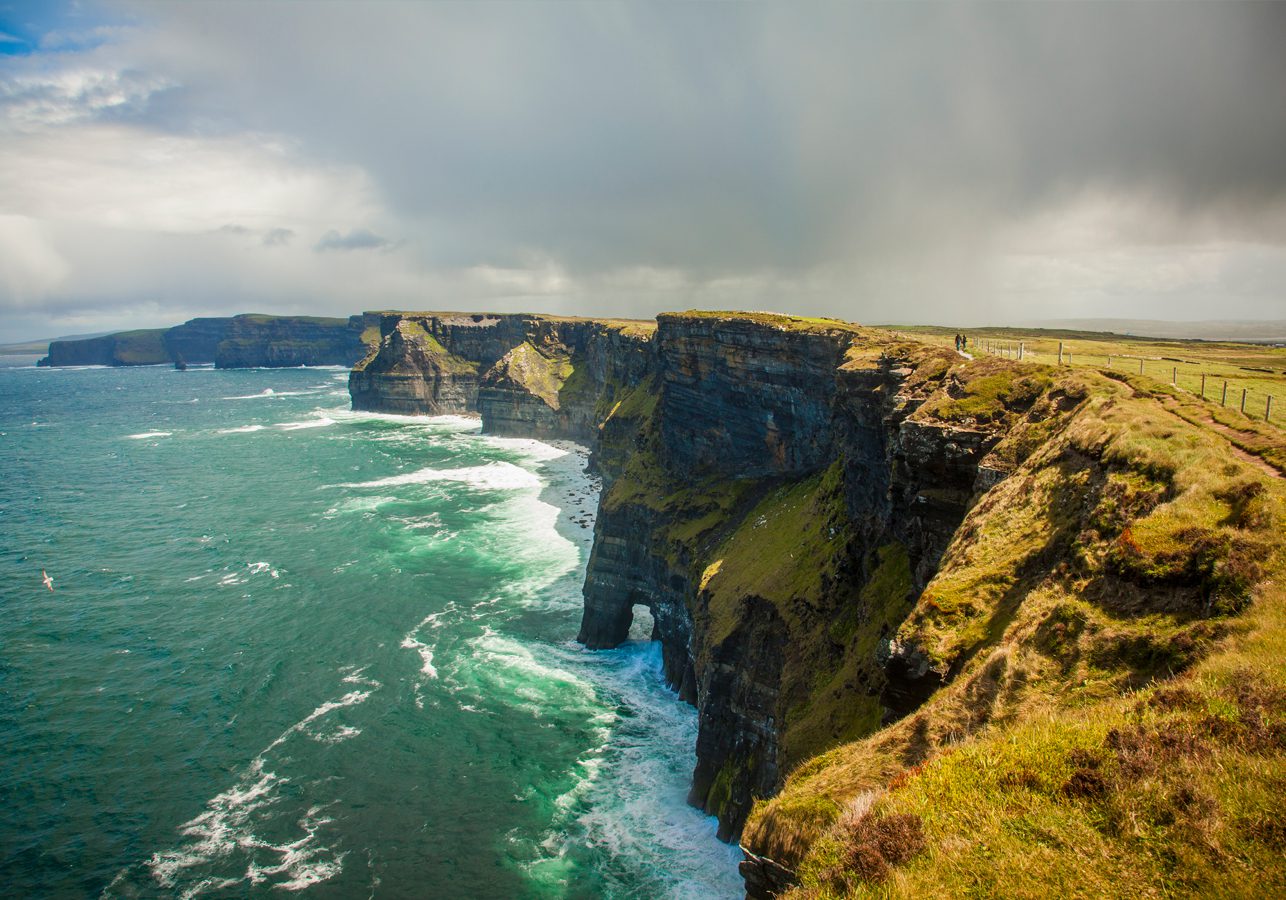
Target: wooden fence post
column 1268, row 407
column 1140, row 365
column 1243, row 399
column 1203, row 385
column 1223, row 401
column 1060, row 353
column 1174, row 375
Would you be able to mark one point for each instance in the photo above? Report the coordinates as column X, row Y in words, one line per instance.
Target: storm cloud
column 959, row 163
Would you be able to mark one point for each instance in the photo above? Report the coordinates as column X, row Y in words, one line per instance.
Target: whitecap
column 244, row 429
column 227, row 823
column 426, row 655
column 537, row 451
column 320, row 422
column 342, row 733
column 258, row 568
column 492, row 476
column 447, row 424
column 150, row 434
column 269, row 393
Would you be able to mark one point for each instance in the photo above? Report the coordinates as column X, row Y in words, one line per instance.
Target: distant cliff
column 531, row 375
column 890, row 578
column 236, row 342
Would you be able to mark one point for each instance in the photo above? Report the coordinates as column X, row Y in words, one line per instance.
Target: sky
column 956, row 163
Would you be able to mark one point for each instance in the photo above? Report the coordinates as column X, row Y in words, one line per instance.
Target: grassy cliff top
column 780, row 321
column 642, row 326
column 1109, row 624
column 265, row 318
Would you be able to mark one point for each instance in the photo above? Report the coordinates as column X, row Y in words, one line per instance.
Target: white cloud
column 30, row 266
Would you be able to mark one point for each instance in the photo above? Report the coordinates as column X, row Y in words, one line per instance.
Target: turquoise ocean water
column 295, row 648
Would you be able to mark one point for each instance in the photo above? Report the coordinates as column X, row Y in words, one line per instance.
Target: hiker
column 957, row 342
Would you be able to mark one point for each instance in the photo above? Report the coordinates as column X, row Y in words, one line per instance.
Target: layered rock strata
column 528, row 375
column 770, row 496
column 244, row 341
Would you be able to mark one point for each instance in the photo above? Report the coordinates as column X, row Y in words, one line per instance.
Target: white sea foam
column 268, row 393
column 528, row 677
column 365, row 505
column 342, row 733
column 257, row 568
column 426, row 655
column 536, row 451
column 227, row 823
column 629, row 796
column 150, row 434
column 320, row 422
column 439, row 424
column 244, row 429
column 496, row 476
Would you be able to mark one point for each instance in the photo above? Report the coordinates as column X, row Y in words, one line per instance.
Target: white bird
column 49, row 582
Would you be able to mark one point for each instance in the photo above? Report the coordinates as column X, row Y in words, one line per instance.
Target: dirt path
column 1224, row 431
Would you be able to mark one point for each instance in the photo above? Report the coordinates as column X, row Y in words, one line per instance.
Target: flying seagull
column 49, row 582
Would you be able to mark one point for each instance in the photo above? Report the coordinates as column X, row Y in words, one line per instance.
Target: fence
column 1220, row 388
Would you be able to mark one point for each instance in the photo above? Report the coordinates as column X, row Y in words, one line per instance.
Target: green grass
column 775, row 320
column 540, row 375
column 1259, row 369
column 140, row 348
column 1109, row 623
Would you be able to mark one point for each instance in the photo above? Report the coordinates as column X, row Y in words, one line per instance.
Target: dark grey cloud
column 357, row 239
column 721, row 136
column 913, row 160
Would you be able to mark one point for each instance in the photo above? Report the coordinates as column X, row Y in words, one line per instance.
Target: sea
column 292, row 648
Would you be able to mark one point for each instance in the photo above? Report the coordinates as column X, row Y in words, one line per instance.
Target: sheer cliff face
column 281, row 341
column 524, row 374
column 775, row 502
column 230, row 343
column 770, row 495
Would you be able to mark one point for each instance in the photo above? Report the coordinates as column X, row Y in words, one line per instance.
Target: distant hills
column 1272, row 331
column 41, row 346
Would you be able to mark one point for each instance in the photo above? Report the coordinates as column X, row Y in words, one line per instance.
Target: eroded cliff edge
column 860, row 552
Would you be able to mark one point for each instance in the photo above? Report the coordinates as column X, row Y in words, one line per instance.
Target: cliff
column 281, row 341
column 236, row 342
column 125, row 348
column 911, row 593
column 529, row 375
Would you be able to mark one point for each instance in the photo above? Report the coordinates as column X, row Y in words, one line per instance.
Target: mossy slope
column 1109, row 624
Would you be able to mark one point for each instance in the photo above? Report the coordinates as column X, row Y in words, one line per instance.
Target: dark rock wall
column 196, row 340
column 230, row 343
column 525, row 375
column 128, row 348
column 743, row 400
column 282, row 341
column 693, row 429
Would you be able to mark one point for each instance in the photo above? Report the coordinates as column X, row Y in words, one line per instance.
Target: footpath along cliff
column 947, row 623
